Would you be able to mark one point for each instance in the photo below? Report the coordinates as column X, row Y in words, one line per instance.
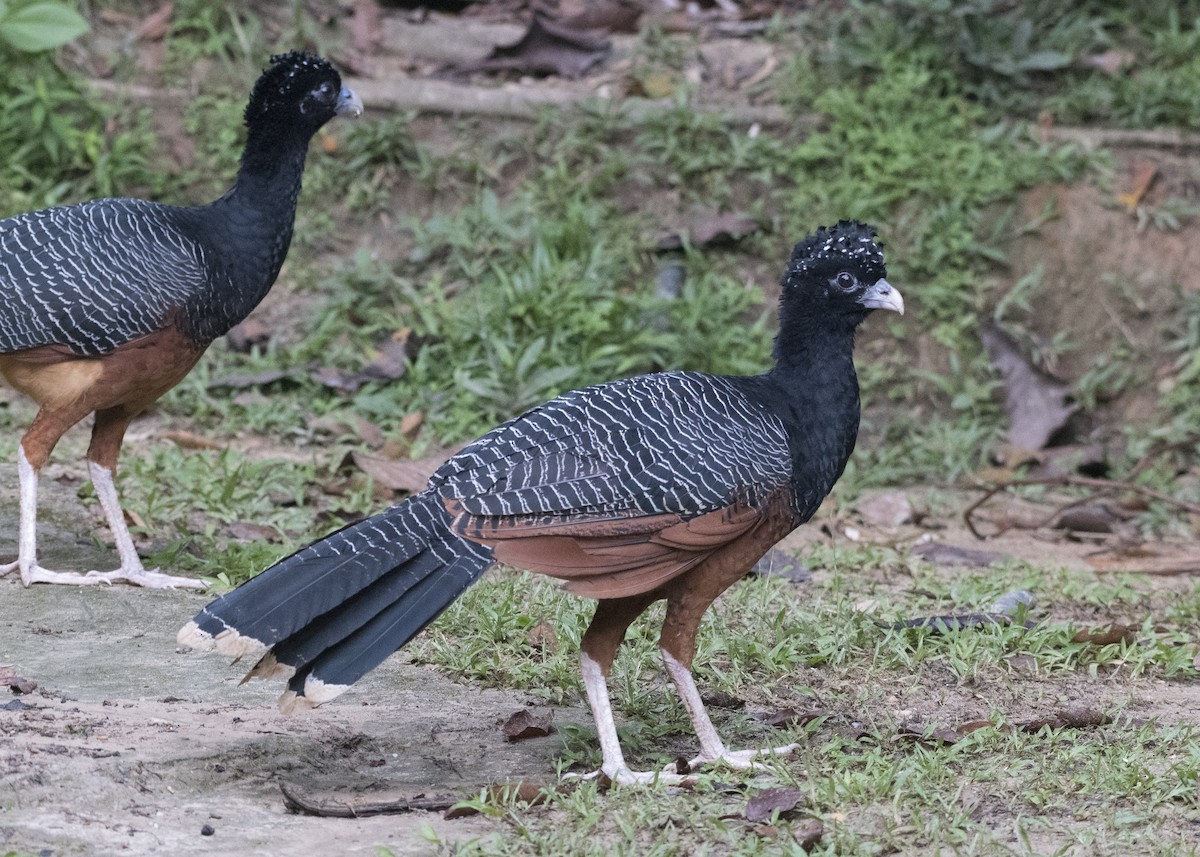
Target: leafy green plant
column 40, row 25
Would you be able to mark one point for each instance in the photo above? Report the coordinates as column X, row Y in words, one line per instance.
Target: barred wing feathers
column 95, row 275
column 618, row 488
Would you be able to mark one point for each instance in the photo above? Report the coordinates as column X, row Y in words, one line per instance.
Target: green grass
column 998, row 790
column 520, row 263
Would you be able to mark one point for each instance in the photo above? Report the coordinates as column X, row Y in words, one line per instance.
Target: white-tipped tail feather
column 316, row 692
column 227, row 642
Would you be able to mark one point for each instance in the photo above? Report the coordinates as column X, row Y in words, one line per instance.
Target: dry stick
column 334, row 808
column 1102, row 486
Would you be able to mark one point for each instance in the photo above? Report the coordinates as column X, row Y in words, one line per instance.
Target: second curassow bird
column 108, row 304
column 663, row 486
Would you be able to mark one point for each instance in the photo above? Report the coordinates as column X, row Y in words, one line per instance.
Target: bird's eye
column 845, row 280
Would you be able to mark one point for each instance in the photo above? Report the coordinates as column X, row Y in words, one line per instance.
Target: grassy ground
column 517, row 260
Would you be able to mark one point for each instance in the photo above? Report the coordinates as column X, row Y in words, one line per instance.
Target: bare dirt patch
column 130, row 746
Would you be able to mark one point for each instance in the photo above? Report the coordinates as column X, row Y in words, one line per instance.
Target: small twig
column 1100, row 486
column 307, row 804
column 1092, row 138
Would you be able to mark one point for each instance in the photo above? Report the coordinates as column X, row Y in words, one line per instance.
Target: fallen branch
column 428, row 95
column 1101, row 487
column 1121, row 138
column 330, row 807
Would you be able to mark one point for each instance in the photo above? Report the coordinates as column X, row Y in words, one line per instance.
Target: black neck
column 247, row 231
column 814, row 391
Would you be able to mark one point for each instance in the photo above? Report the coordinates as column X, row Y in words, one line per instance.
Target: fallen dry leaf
column 781, row 564
column 524, row 725
column 1067, row 718
column 545, row 48
column 254, row 379
column 939, row 553
column 410, row 423
column 885, row 508
column 1036, row 403
column 1106, row 636
column 337, row 379
column 523, row 790
column 808, row 833
column 1144, row 174
column 16, row 683
column 787, row 717
column 934, row 737
column 191, row 440
column 1110, row 62
column 721, row 699
column 390, row 361
column 244, row 337
column 245, row 531
column 365, row 26
column 764, row 805
column 708, row 228
column 610, row 16
column 409, row 476
column 156, row 25
column 542, row 638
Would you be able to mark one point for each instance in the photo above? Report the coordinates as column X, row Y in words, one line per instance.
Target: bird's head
column 840, row 271
column 300, row 90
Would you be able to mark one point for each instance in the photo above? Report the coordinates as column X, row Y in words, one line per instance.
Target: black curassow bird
column 108, row 304
column 662, row 486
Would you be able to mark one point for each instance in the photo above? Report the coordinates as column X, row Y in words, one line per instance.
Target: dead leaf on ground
column 787, row 717
column 708, row 228
column 721, row 699
column 1067, row 718
column 542, row 638
column 951, row 622
column 885, row 509
column 1092, row 518
column 524, row 725
column 781, row 564
column 546, row 48
column 366, row 26
column 247, row 335
column 391, row 360
column 1144, row 174
column 764, row 805
column 808, row 833
column 254, row 379
column 337, row 379
column 610, row 16
column 16, row 683
column 409, row 476
column 245, row 531
column 1110, row 62
column 1139, row 560
column 410, row 423
column 1036, row 403
column 156, row 25
column 523, row 790
column 1107, row 635
column 936, row 736
column 940, row 553
column 191, row 440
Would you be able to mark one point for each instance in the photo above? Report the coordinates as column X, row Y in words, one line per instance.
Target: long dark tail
column 330, row 613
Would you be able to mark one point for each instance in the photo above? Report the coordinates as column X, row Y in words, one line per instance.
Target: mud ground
column 130, row 745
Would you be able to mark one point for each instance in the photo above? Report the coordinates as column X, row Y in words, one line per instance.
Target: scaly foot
column 149, row 578
column 625, row 777
column 743, row 760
